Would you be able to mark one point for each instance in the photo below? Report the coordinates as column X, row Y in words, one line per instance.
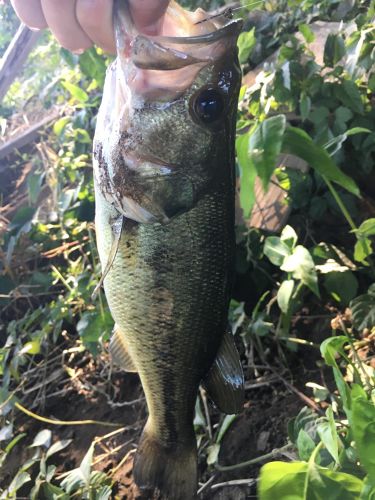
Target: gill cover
column 152, row 80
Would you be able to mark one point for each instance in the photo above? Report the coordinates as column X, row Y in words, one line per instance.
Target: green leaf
column 58, row 446
column 284, row 295
column 343, row 114
column 363, row 428
column 60, row 125
column 362, row 249
column 260, row 326
column 328, row 434
column 212, row 453
column 265, row 146
column 307, row 33
column 52, row 492
column 276, row 250
column 297, row 142
column 302, row 267
column 350, row 96
column 332, row 347
column 304, row 106
column 289, row 237
column 306, row 420
column 305, row 445
column 363, row 310
column 79, row 94
column 302, row 481
column 32, row 347
column 367, row 228
column 247, row 174
column 43, row 438
column 85, row 467
column 34, row 185
column 334, row 49
column 19, row 480
column 14, row 441
column 246, row 42
column 342, row 286
column 227, row 422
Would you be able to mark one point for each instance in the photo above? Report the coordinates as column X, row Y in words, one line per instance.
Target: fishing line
column 228, row 13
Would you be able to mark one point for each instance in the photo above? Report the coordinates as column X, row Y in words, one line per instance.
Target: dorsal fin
column 119, row 351
column 225, row 380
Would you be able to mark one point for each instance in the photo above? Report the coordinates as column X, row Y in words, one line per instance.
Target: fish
column 164, row 177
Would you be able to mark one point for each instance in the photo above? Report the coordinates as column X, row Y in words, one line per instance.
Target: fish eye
column 209, row 105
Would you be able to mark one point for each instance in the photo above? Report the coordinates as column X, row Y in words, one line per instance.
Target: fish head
column 166, row 126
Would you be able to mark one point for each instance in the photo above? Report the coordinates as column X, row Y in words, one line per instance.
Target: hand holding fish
column 79, row 24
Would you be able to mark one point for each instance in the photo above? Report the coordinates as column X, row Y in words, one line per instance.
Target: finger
column 147, row 14
column 30, row 12
column 61, row 18
column 95, row 17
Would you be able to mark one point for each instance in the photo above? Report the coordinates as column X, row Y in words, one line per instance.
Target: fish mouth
column 164, row 52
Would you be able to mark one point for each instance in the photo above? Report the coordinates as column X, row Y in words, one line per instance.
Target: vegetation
column 307, row 292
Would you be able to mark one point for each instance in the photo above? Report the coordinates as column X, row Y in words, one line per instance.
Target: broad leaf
column 265, row 146
column 284, row 295
column 363, row 428
column 297, row 142
column 302, row 267
column 247, row 174
column 328, row 434
column 303, row 481
column 363, row 310
column 332, row 347
column 246, row 43
column 276, row 250
column 79, row 94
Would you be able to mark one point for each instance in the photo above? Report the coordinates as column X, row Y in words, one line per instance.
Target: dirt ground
column 95, row 393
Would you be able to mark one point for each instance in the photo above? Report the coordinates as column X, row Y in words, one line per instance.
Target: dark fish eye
column 209, row 105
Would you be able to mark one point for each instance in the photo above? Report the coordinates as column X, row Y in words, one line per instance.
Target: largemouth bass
column 164, row 186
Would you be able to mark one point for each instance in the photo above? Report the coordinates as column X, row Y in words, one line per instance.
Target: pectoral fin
column 119, row 351
column 225, row 380
column 116, row 228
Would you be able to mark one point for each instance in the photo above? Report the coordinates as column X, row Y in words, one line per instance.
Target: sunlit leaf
column 276, row 250
column 246, row 42
column 79, row 94
column 265, row 146
column 248, row 174
column 284, row 294
column 302, row 267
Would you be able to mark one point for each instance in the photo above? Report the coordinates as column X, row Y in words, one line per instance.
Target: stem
column 262, row 458
column 340, row 203
column 62, row 422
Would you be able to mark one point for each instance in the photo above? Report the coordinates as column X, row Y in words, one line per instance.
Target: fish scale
column 168, row 267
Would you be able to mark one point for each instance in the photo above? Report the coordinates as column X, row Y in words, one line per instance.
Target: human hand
column 78, row 24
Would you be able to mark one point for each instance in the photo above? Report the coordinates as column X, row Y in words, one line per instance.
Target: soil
column 94, row 392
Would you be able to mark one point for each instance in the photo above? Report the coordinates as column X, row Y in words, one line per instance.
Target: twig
column 234, row 482
column 256, row 385
column 262, row 458
column 207, row 412
column 206, row 484
column 121, row 463
column 63, row 422
column 300, row 394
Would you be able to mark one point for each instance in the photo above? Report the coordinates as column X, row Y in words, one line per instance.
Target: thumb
column 148, row 14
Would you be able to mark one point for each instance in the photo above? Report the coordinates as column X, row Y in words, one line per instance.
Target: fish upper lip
column 231, row 28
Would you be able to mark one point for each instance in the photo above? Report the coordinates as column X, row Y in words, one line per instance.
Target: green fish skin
column 169, row 179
